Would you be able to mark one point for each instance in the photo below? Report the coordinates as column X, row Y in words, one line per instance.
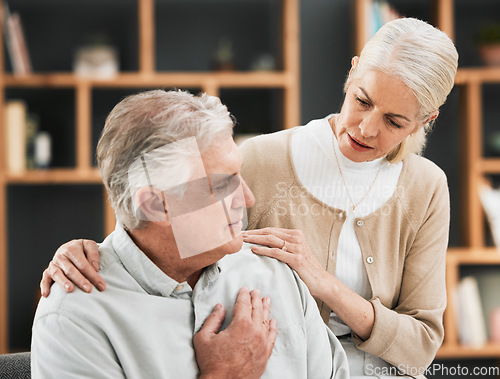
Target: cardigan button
column 369, row 259
column 359, row 223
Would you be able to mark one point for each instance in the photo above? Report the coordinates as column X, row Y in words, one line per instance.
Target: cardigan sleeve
column 409, row 335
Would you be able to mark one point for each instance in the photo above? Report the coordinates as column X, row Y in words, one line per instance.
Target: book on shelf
column 26, row 147
column 469, row 311
column 490, row 199
column 488, row 281
column 15, row 135
column 16, row 42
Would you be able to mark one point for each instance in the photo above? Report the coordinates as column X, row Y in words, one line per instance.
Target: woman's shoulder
column 266, row 142
column 422, row 169
column 423, row 182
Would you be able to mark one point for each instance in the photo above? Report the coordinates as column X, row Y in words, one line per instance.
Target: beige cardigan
column 403, row 245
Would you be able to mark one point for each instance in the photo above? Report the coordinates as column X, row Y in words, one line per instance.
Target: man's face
column 209, row 215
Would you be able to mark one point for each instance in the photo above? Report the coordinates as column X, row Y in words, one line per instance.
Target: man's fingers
column 257, row 311
column 273, row 334
column 243, row 305
column 214, row 321
column 266, row 307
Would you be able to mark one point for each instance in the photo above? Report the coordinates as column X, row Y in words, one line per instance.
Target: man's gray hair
column 423, row 58
column 145, row 122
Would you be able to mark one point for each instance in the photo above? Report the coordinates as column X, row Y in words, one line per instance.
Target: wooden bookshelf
column 474, row 166
column 285, row 79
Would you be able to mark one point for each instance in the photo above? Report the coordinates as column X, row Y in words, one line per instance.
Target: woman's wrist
column 326, row 288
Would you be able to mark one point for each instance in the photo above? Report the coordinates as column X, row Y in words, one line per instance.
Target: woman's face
column 379, row 111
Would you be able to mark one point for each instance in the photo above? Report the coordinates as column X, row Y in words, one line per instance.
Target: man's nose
column 243, row 198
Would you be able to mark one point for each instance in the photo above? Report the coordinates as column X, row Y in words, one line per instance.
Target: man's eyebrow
column 389, row 114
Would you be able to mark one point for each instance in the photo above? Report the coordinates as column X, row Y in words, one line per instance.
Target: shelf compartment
column 48, row 215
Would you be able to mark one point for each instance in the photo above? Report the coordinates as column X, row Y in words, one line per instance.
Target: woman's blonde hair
column 422, row 57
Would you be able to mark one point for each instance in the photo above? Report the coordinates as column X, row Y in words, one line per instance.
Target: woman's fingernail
column 86, row 287
column 217, row 307
column 66, row 285
column 101, row 286
column 96, row 265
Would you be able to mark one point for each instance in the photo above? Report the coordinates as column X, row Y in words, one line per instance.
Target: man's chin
column 234, row 245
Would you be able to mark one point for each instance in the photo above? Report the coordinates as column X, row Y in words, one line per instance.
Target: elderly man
column 171, row 170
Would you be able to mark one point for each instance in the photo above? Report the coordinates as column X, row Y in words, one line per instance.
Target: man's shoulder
column 246, row 257
column 78, row 303
column 253, row 270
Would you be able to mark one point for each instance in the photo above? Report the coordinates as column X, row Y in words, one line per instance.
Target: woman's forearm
column 355, row 311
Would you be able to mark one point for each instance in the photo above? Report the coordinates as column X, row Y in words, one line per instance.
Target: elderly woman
column 349, row 204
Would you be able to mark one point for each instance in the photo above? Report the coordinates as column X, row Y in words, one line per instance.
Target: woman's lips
column 358, row 146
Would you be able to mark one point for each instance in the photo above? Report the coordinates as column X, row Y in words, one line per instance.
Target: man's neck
column 158, row 244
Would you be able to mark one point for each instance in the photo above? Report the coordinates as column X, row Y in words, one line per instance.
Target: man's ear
column 151, row 204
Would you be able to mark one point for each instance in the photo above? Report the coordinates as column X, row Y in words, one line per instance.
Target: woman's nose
column 370, row 126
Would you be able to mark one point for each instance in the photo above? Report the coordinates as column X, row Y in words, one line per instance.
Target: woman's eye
column 362, row 102
column 394, row 123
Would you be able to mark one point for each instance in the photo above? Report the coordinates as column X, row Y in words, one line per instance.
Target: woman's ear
column 354, row 64
column 432, row 117
column 150, row 204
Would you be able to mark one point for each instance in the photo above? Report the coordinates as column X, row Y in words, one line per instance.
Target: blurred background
column 276, row 64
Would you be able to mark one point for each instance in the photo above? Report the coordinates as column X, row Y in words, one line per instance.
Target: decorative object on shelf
column 15, row 133
column 98, row 59
column 490, row 199
column 493, row 142
column 43, row 150
column 264, row 62
column 31, row 132
column 224, row 55
column 378, row 13
column 16, row 42
column 488, row 44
